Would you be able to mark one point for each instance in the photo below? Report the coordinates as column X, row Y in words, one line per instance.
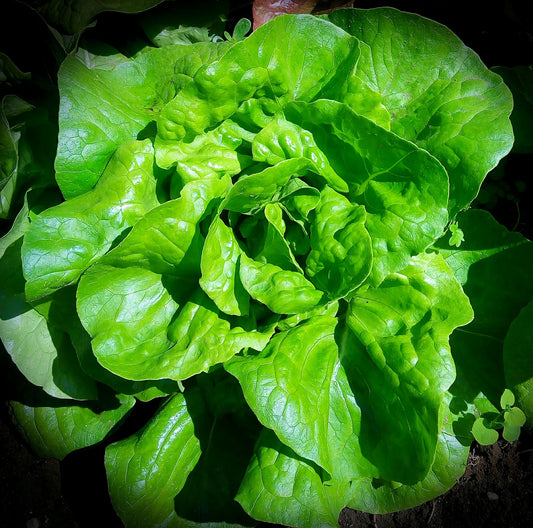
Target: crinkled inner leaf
column 106, row 100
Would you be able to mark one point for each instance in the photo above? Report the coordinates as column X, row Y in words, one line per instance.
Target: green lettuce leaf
column 42, row 351
column 283, row 291
column 280, row 486
column 252, row 192
column 261, row 66
column 227, row 431
column 55, row 431
column 127, row 311
column 128, row 302
column 272, row 246
column 341, row 248
column 106, row 100
column 518, row 360
column 393, row 338
column 144, row 476
column 403, row 188
column 9, row 72
column 396, row 340
column 296, row 387
column 74, row 16
column 451, row 455
column 179, row 23
column 124, row 300
column 220, row 275
column 282, row 140
column 437, row 91
column 213, row 154
column 203, row 338
column 65, row 240
column 27, row 146
column 60, row 311
column 493, row 265
column 8, row 158
column 173, row 485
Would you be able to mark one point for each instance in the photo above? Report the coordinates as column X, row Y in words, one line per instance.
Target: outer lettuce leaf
column 144, row 475
column 227, row 431
column 43, row 354
column 518, row 360
column 403, row 188
column 520, row 81
column 9, row 72
column 173, row 485
column 8, row 155
column 128, row 302
column 65, row 240
column 395, row 343
column 484, row 238
column 106, row 100
column 296, row 387
column 56, row 431
column 127, row 312
column 179, row 23
column 28, row 142
column 493, row 265
column 437, row 91
column 60, row 312
column 40, row 350
column 279, row 486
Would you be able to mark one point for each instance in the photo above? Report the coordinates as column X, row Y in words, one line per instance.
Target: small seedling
column 486, row 426
column 240, row 31
column 457, row 236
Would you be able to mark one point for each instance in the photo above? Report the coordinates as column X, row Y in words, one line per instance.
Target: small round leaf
column 511, row 432
column 514, row 416
column 483, row 434
column 507, row 399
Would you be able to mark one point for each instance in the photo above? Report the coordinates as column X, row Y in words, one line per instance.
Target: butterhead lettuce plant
column 254, row 237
